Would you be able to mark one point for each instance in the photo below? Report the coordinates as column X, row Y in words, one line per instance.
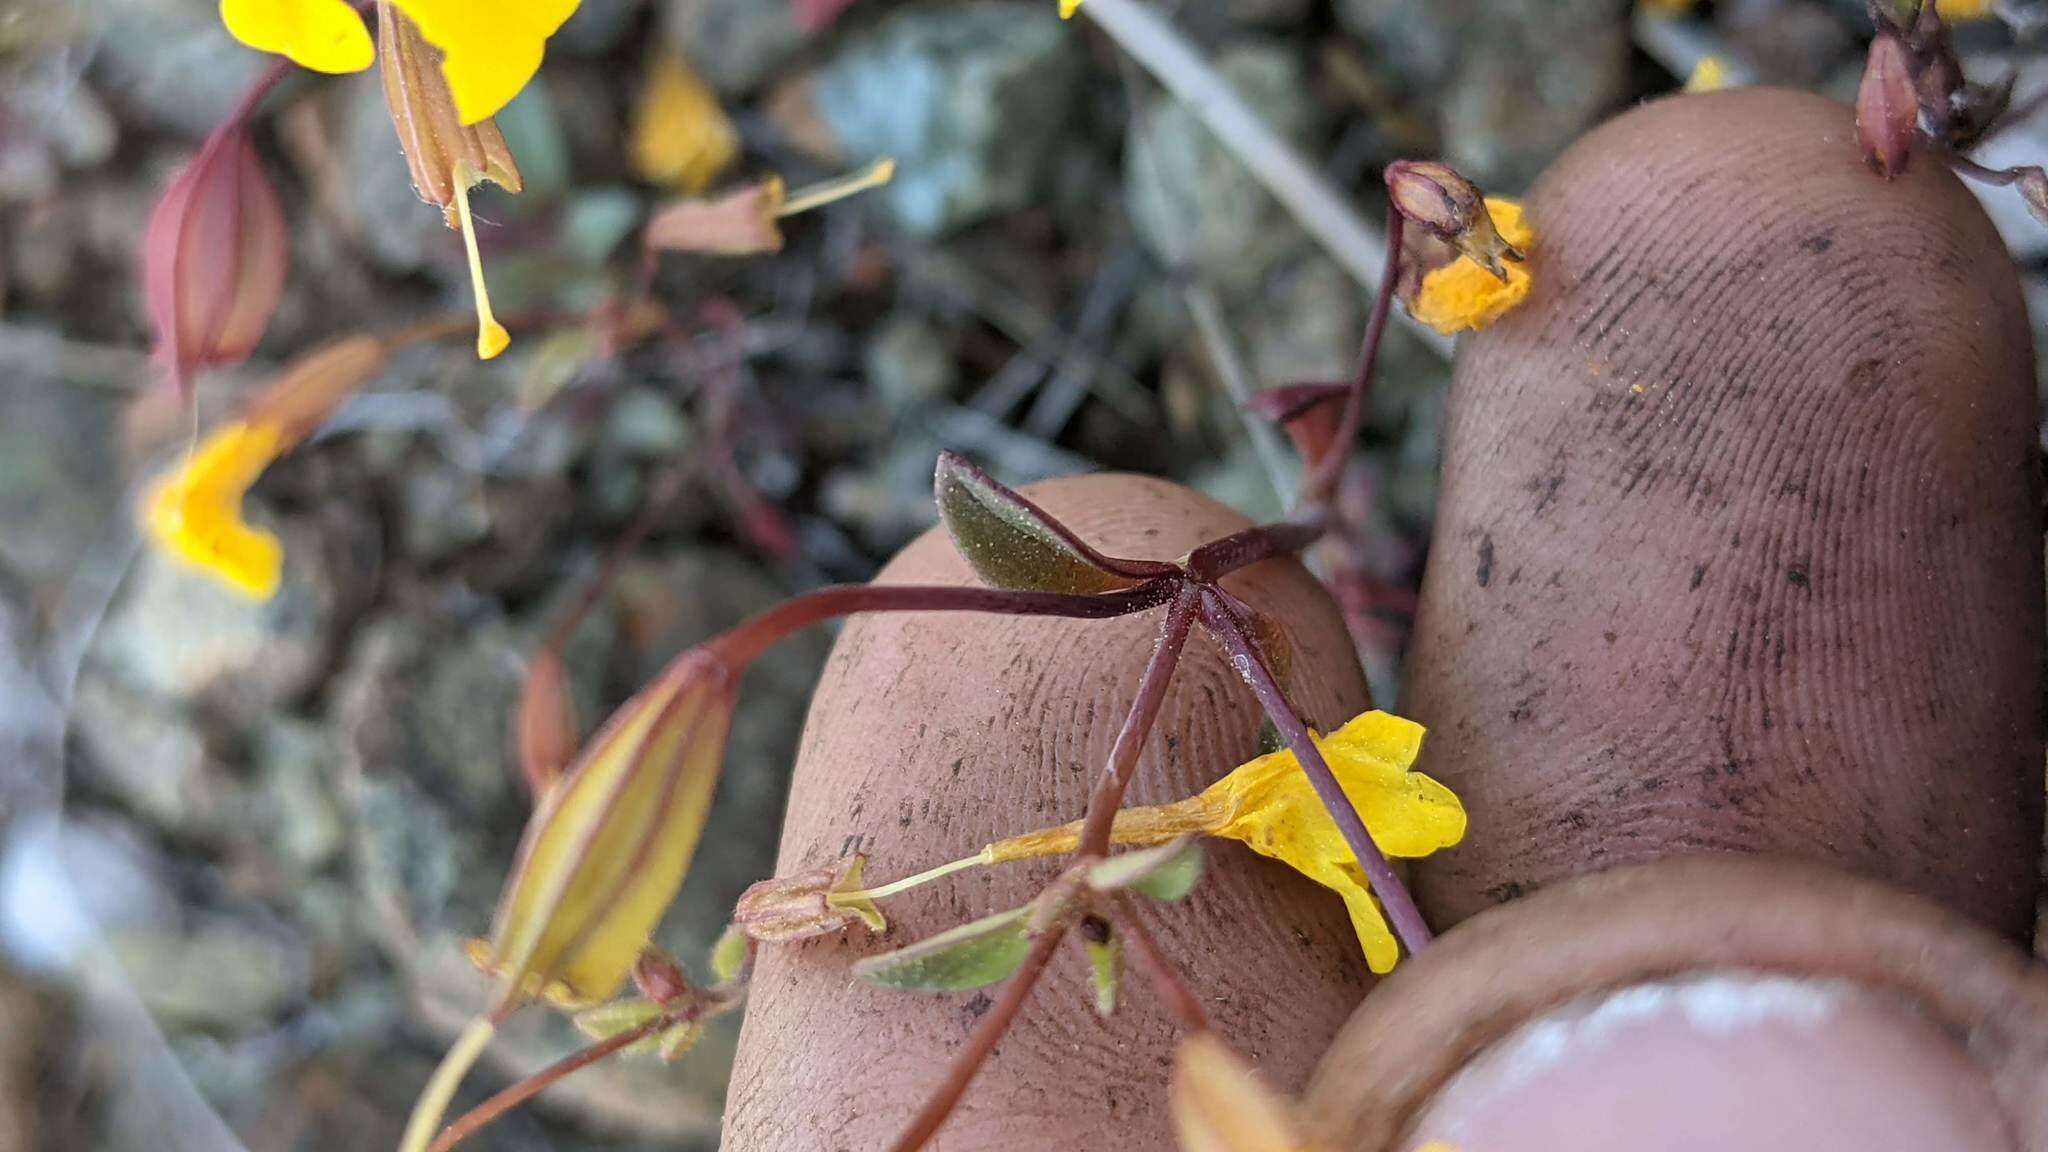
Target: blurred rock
column 219, row 976
column 970, row 98
column 170, row 63
column 598, row 27
column 147, row 755
column 442, row 511
column 1192, row 201
column 735, row 45
column 910, row 363
column 1305, row 324
column 178, row 634
column 1513, row 81
column 296, row 766
column 59, row 475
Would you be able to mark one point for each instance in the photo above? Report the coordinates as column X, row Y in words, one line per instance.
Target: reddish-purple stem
column 1242, row 549
column 1100, row 821
column 1244, row 654
column 1321, row 482
column 742, row 644
column 981, row 1042
column 1166, row 977
column 470, row 1122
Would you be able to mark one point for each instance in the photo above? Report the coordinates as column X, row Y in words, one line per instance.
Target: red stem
column 1402, row 914
column 1321, row 482
column 1130, row 739
column 470, row 1122
column 1166, row 977
column 981, row 1043
column 1219, row 558
column 743, row 644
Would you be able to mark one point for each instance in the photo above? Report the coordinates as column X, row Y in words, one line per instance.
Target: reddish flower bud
column 1887, row 107
column 660, row 979
column 213, row 259
column 1451, row 208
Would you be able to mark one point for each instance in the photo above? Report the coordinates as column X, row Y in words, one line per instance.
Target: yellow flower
column 1068, row 8
column 607, row 848
column 491, row 47
column 195, row 513
column 1462, row 295
column 1709, row 75
column 1269, row 805
column 324, row 35
column 1964, row 9
column 681, row 137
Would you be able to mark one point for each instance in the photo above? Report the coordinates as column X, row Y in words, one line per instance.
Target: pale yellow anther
column 491, row 337
column 832, row 191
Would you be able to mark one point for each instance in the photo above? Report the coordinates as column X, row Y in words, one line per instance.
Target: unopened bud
column 214, row 258
column 1887, row 107
column 1437, row 199
column 660, row 979
column 446, row 157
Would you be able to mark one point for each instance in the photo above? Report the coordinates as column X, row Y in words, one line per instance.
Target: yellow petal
column 681, row 137
column 1274, row 810
column 1462, row 295
column 606, row 850
column 195, row 513
column 1709, row 75
column 1964, row 9
column 1068, row 8
column 491, row 47
column 324, row 35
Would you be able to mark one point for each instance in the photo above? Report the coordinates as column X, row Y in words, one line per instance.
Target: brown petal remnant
column 1887, row 108
column 446, row 157
column 1695, row 586
column 1435, row 198
column 214, row 258
column 802, row 906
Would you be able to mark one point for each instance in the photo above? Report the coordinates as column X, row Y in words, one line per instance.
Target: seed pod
column 214, row 259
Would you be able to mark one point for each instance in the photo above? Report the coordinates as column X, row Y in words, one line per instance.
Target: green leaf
column 1167, row 872
column 1010, row 543
column 729, row 955
column 1106, row 962
column 971, row 956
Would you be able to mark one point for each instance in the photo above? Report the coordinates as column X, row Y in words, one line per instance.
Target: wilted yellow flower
column 681, row 137
column 1709, row 75
column 1462, row 295
column 491, row 48
column 607, row 848
column 1219, row 1104
column 195, row 513
column 1269, row 805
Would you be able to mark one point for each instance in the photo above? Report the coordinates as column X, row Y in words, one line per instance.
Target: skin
column 1387, row 1074
column 1739, row 547
column 932, row 735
